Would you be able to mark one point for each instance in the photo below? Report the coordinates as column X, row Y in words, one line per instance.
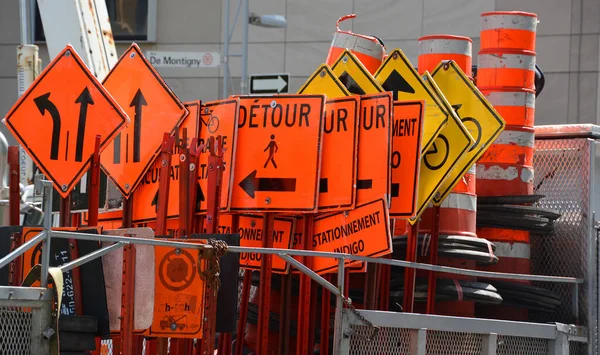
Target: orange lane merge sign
column 58, row 118
column 218, row 118
column 278, row 153
column 337, row 186
column 407, row 131
column 155, row 110
column 374, row 148
column 364, row 231
column 250, row 230
column 146, row 194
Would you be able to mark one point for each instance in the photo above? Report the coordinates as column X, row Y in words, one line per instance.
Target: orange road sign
column 218, row 118
column 250, row 230
column 353, row 74
column 278, row 153
column 407, row 130
column 179, row 293
column 146, row 194
column 155, row 110
column 337, row 185
column 364, row 231
column 374, row 148
column 58, row 118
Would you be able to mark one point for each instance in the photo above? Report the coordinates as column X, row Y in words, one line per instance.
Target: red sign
column 155, row 110
column 58, row 118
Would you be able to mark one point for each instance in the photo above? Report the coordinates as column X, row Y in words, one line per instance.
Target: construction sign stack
column 506, row 76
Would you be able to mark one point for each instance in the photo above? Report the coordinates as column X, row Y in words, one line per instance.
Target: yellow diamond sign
column 355, row 77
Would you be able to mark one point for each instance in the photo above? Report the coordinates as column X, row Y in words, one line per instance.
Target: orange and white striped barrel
column 515, row 146
column 506, row 68
column 516, row 106
column 495, row 179
column 368, row 49
column 514, row 253
column 436, row 48
column 509, row 30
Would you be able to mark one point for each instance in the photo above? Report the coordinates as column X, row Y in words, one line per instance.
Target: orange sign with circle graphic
column 154, row 109
column 337, row 184
column 59, row 116
column 407, row 127
column 374, row 148
column 278, row 153
column 146, row 194
column 218, row 118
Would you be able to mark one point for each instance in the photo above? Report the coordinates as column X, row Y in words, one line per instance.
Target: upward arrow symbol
column 84, row 100
column 396, row 83
column 137, row 102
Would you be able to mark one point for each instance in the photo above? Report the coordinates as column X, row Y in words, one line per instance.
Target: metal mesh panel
column 453, row 343
column 577, row 348
column 15, row 330
column 389, row 341
column 106, row 347
column 562, row 174
column 509, row 345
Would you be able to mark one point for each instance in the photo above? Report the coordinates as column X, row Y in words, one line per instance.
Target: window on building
column 128, row 20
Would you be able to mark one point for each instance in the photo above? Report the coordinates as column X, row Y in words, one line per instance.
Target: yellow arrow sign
column 445, row 152
column 476, row 113
column 355, row 77
column 323, row 81
column 398, row 75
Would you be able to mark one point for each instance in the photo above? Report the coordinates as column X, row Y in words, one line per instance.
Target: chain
column 213, row 268
column 374, row 328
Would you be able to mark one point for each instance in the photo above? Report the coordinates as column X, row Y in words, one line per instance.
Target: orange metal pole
column 433, row 259
column 127, row 303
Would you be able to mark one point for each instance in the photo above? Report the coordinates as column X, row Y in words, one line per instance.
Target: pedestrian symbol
column 272, row 148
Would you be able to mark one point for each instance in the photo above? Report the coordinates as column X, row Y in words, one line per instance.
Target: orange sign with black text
column 179, row 293
column 218, row 118
column 374, row 148
column 155, row 110
column 363, row 231
column 337, row 185
column 58, row 118
column 278, row 153
column 146, row 194
column 407, row 130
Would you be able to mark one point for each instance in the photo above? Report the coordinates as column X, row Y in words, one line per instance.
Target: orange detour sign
column 155, row 110
column 337, row 186
column 179, row 293
column 407, row 130
column 146, row 194
column 278, row 154
column 364, row 231
column 374, row 148
column 58, row 118
column 218, row 118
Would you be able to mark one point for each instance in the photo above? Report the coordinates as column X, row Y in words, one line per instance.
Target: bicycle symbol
column 472, row 120
column 212, row 124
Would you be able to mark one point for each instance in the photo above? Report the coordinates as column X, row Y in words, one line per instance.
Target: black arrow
column 251, row 184
column 199, row 197
column 138, row 101
column 395, row 189
column 364, row 184
column 44, row 104
column 351, row 84
column 395, row 83
column 323, row 185
column 84, row 99
column 155, row 202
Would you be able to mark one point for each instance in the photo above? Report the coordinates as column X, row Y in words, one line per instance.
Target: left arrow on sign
column 84, row 99
column 251, row 184
column 44, row 104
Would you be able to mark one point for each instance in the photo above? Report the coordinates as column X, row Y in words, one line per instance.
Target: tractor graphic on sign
column 173, row 323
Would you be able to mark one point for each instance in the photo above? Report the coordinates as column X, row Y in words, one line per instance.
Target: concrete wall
column 568, row 42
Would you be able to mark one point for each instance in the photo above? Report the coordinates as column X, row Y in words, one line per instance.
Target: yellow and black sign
column 323, row 81
column 354, row 76
column 475, row 112
column 398, row 75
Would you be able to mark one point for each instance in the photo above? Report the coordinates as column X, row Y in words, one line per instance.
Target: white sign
column 184, row 59
column 269, row 83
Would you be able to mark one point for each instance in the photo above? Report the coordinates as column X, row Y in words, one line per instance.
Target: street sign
column 398, row 75
column 269, row 83
column 155, row 110
column 218, row 118
column 337, row 185
column 146, row 194
column 58, row 118
column 407, row 131
column 437, row 163
column 192, row 60
column 355, row 77
column 323, row 81
column 278, row 153
column 363, row 231
column 476, row 113
column 374, row 148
